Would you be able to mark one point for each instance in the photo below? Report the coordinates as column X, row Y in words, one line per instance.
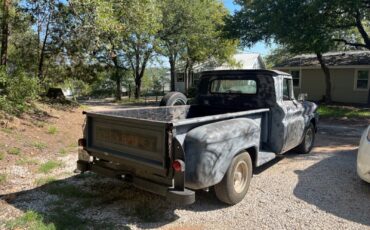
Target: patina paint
column 209, row 149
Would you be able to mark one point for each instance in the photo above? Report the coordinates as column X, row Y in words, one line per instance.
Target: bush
column 17, row 92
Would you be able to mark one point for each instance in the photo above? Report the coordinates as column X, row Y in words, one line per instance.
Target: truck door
column 294, row 120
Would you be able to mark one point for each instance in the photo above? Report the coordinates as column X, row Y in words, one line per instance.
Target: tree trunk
column 173, row 73
column 137, row 88
column 118, row 87
column 117, row 76
column 188, row 72
column 5, row 33
column 42, row 54
column 326, row 70
column 368, row 99
column 362, row 30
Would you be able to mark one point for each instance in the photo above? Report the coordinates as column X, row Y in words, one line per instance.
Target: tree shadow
column 333, row 186
column 92, row 202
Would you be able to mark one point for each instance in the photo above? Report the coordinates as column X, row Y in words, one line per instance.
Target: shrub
column 14, row 151
column 17, row 91
column 52, row 130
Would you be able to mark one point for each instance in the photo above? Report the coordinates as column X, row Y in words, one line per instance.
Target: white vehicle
column 363, row 156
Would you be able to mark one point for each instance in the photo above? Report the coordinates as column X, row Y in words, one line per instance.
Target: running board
column 264, row 157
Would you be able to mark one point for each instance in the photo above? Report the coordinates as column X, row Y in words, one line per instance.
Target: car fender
column 209, row 149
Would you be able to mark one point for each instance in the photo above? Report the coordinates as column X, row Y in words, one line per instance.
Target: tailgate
column 131, row 141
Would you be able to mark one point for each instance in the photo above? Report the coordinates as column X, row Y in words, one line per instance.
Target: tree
column 353, row 17
column 96, row 38
column 206, row 41
column 4, row 32
column 141, row 20
column 300, row 26
column 44, row 15
column 177, row 19
column 130, row 28
column 304, row 26
column 191, row 33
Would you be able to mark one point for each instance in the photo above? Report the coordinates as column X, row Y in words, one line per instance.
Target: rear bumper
column 178, row 196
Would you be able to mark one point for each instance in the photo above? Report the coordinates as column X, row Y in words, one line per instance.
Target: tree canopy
column 56, row 40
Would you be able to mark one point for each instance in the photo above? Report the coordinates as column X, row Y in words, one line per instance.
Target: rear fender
column 209, row 149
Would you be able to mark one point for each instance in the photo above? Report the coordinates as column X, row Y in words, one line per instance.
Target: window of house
column 362, row 80
column 235, row 86
column 180, row 77
column 287, row 92
column 296, row 75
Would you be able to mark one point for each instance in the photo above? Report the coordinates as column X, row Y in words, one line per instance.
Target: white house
column 240, row 61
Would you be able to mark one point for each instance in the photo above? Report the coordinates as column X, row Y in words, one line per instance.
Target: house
column 350, row 75
column 239, row 61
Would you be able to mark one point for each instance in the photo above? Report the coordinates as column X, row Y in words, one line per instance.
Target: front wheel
column 235, row 184
column 308, row 140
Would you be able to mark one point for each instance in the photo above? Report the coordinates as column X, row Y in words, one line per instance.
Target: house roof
column 345, row 58
column 241, row 61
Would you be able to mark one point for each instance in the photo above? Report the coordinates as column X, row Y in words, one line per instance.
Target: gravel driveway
column 316, row 191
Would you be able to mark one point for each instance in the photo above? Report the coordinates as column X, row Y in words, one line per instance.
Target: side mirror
column 302, row 96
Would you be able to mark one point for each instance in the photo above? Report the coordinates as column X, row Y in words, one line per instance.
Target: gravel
column 320, row 190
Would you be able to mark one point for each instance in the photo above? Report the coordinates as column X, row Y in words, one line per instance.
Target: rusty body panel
column 142, row 143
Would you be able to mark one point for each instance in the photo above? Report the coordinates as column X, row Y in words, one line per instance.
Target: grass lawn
column 336, row 111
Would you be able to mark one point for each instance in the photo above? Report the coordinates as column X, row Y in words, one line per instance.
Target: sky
column 260, row 47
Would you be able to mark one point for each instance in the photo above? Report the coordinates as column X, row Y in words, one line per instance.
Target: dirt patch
column 26, row 143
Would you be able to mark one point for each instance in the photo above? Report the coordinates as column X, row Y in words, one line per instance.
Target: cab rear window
column 236, row 86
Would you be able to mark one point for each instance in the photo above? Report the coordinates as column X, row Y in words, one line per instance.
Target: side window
column 296, row 75
column 180, row 77
column 287, row 89
column 362, row 80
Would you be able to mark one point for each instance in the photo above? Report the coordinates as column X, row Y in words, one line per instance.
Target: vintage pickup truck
column 241, row 120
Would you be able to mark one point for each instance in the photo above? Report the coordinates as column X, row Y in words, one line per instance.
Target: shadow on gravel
column 92, row 202
column 333, row 186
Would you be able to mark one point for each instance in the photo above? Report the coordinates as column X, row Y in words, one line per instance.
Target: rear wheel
column 235, row 184
column 308, row 140
column 173, row 99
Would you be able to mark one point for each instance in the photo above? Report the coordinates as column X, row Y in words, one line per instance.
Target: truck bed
column 141, row 137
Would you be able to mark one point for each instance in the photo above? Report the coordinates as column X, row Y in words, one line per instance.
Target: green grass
column 65, row 218
column 39, row 145
column 52, row 130
column 2, row 155
column 84, row 107
column 45, row 180
column 73, row 144
column 63, row 151
column 49, row 166
column 7, row 130
column 2, row 178
column 14, row 151
column 30, row 220
column 328, row 111
column 26, row 161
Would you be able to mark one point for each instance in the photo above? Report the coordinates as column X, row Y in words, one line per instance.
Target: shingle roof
column 344, row 58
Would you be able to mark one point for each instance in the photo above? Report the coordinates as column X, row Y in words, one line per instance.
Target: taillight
column 82, row 142
column 178, row 166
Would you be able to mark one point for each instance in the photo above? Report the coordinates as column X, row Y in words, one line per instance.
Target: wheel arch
column 314, row 123
column 253, row 153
